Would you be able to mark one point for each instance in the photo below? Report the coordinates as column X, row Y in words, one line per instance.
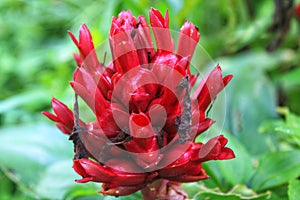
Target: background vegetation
column 254, row 40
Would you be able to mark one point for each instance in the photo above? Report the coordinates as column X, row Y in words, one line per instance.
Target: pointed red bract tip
column 189, row 29
column 63, row 116
column 160, row 28
column 188, row 39
column 73, row 38
column 227, row 79
column 156, row 19
column 50, row 116
column 210, row 86
column 86, row 48
column 215, row 149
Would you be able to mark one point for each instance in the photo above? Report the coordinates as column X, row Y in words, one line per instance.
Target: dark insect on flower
column 146, row 118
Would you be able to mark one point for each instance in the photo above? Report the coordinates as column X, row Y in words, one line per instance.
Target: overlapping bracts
column 146, row 119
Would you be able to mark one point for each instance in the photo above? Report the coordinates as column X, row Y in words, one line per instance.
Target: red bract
column 63, row 116
column 297, row 11
column 147, row 121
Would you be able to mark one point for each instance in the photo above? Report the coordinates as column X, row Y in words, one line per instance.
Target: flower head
column 146, row 118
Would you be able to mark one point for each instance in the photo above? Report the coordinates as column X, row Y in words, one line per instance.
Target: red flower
column 297, row 11
column 147, row 121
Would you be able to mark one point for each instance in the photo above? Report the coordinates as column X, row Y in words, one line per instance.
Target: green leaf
column 294, row 189
column 25, row 98
column 233, row 174
column 288, row 129
column 92, row 197
column 59, row 179
column 290, row 78
column 237, row 193
column 29, row 151
column 235, row 171
column 250, row 97
column 79, row 191
column 191, row 188
column 8, row 190
column 276, row 168
column 211, row 196
column 216, row 178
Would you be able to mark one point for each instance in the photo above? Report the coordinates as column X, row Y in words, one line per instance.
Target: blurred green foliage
column 36, row 63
